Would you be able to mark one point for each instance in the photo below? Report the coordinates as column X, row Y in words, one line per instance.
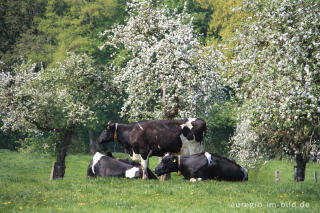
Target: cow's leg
column 167, row 176
column 162, row 177
column 145, row 164
column 195, row 179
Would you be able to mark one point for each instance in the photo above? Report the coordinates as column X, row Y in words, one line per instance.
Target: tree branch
column 43, row 128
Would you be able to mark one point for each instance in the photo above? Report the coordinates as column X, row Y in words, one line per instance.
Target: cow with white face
column 156, row 137
column 190, row 144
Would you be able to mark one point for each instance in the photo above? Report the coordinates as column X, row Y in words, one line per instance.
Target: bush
column 39, row 143
column 220, row 127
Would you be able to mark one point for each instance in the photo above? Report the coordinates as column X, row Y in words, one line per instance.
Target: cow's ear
column 110, row 125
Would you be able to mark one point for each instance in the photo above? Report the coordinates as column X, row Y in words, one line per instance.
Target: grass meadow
column 25, row 187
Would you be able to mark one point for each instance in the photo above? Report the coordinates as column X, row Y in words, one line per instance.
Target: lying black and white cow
column 156, row 137
column 202, row 166
column 108, row 166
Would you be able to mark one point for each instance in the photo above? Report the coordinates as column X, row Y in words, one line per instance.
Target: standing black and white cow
column 156, row 137
column 202, row 166
column 108, row 166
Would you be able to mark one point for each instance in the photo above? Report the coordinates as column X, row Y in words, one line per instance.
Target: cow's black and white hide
column 156, row 137
column 315, row 156
column 133, row 163
column 108, row 166
column 203, row 166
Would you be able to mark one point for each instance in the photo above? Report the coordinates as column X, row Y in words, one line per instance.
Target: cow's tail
column 151, row 175
column 245, row 174
column 205, row 130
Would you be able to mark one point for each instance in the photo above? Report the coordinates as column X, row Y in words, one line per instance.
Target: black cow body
column 108, row 166
column 202, row 166
column 156, row 137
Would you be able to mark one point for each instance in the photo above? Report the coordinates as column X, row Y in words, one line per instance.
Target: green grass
column 25, row 187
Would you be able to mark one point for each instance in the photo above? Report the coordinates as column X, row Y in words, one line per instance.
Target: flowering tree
column 168, row 74
column 276, row 73
column 245, row 145
column 52, row 100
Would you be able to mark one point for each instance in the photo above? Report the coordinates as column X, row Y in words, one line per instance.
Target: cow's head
column 107, row 135
column 168, row 164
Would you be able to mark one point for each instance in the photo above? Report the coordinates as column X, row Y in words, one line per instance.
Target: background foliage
column 168, row 71
column 275, row 72
column 266, row 38
column 44, row 30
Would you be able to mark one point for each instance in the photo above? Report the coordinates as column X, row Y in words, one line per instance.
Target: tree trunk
column 58, row 167
column 93, row 144
column 300, row 168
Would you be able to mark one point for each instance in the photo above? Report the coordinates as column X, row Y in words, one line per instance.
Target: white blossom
column 276, row 73
column 55, row 98
column 245, row 145
column 167, row 58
